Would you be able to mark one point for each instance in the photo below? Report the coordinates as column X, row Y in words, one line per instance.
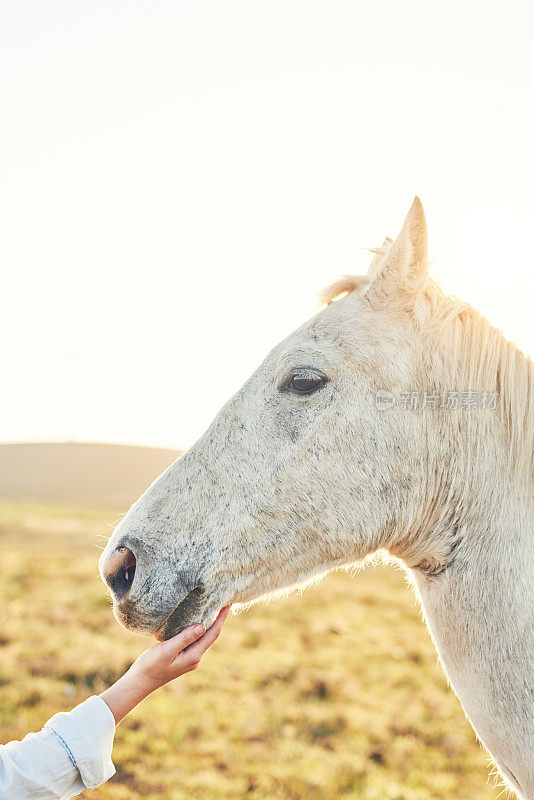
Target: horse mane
column 347, row 284
column 485, row 361
column 468, row 354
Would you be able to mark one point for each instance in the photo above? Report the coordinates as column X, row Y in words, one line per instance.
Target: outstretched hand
column 160, row 664
column 168, row 660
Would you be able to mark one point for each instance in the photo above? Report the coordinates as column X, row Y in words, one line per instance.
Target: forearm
column 126, row 694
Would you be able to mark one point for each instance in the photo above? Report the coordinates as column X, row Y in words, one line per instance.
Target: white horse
column 397, row 418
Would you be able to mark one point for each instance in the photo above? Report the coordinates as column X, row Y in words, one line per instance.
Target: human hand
column 160, row 664
column 168, row 660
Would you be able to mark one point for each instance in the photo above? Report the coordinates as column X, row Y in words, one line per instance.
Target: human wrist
column 140, row 682
column 126, row 693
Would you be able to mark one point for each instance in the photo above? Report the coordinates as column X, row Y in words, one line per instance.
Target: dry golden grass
column 335, row 694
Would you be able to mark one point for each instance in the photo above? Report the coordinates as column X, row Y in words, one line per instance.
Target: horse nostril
column 118, row 571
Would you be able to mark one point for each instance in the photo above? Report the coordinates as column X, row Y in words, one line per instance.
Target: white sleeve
column 71, row 753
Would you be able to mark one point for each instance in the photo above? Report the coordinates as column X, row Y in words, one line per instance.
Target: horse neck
column 479, row 612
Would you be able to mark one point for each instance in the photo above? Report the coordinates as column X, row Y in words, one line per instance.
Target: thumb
column 183, row 639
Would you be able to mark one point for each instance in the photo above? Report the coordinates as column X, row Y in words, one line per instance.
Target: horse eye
column 306, row 382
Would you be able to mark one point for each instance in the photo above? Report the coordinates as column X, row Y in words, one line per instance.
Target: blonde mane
column 473, row 356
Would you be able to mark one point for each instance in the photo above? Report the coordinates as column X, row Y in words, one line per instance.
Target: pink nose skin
column 118, row 571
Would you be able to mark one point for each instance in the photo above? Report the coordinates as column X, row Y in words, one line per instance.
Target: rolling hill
column 100, row 474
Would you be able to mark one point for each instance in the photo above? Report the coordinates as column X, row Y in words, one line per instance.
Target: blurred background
column 179, row 179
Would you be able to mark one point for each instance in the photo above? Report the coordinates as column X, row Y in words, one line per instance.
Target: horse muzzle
column 155, row 601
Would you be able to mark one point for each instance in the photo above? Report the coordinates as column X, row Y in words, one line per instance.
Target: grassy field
column 335, row 694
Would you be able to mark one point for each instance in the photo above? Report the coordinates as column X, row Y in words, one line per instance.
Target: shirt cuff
column 87, row 734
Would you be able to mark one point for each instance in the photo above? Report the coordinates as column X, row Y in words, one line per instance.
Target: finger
column 199, row 647
column 173, row 647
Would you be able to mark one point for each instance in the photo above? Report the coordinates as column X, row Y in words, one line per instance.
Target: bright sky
column 180, row 179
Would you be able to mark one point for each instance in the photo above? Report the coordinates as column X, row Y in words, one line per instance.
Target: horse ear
column 403, row 269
